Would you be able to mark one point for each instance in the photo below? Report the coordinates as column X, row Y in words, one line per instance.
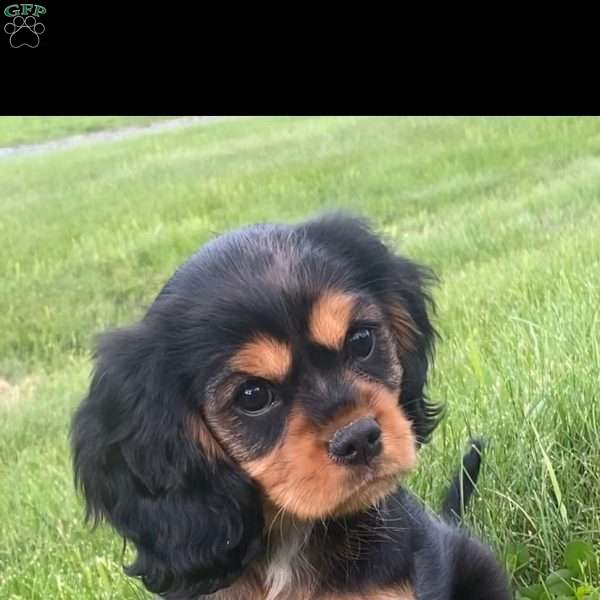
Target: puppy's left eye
column 360, row 343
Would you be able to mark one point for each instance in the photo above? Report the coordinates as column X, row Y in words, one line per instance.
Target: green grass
column 507, row 211
column 26, row 130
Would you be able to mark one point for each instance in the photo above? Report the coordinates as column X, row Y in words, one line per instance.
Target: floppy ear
column 193, row 516
column 407, row 303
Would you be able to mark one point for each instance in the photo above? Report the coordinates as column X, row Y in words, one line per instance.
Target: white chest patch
column 288, row 570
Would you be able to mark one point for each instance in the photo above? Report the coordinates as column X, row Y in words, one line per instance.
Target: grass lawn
column 507, row 211
column 27, row 130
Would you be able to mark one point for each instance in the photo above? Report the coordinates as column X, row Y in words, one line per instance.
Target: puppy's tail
column 463, row 483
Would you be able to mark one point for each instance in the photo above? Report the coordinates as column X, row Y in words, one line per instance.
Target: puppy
column 247, row 435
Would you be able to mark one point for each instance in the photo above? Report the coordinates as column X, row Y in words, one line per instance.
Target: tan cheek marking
column 263, row 357
column 330, row 318
column 204, row 438
column 298, row 475
column 404, row 328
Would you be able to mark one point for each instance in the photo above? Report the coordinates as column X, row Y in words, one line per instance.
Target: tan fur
column 300, row 477
column 250, row 589
column 397, row 593
column 204, row 438
column 330, row 319
column 263, row 357
column 403, row 327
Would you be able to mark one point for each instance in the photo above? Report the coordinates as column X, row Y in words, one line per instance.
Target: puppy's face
column 312, row 413
column 281, row 369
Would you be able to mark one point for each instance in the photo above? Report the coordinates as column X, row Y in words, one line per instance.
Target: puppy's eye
column 255, row 397
column 360, row 343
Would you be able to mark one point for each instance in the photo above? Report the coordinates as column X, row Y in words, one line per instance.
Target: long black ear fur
column 195, row 523
column 408, row 286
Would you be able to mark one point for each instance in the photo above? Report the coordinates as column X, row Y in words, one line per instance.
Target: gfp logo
column 24, row 29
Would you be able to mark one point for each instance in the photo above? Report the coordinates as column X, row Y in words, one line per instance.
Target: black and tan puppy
column 248, row 434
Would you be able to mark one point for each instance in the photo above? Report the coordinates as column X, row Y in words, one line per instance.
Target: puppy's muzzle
column 358, row 443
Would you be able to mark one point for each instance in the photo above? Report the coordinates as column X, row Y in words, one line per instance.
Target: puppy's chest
column 245, row 592
column 276, row 581
column 255, row 590
column 285, row 575
column 290, row 575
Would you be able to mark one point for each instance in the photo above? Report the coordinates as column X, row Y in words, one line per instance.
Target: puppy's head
column 280, row 369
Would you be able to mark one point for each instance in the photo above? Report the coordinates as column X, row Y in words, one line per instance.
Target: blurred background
column 97, row 212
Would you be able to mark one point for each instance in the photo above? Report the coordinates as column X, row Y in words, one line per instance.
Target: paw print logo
column 24, row 31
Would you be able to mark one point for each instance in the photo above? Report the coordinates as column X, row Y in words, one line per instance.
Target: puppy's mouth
column 371, row 485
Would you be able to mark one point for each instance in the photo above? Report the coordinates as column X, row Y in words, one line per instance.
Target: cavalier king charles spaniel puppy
column 249, row 433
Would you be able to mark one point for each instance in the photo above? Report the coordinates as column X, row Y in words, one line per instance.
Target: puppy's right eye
column 360, row 343
column 255, row 397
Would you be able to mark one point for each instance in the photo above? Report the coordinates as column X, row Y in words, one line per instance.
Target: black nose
column 356, row 444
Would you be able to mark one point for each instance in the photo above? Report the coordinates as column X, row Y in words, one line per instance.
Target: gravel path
column 74, row 141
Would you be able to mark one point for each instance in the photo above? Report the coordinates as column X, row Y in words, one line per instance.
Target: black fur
column 463, row 484
column 407, row 543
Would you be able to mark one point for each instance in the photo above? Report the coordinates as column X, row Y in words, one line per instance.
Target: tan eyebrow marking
column 330, row 319
column 265, row 357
